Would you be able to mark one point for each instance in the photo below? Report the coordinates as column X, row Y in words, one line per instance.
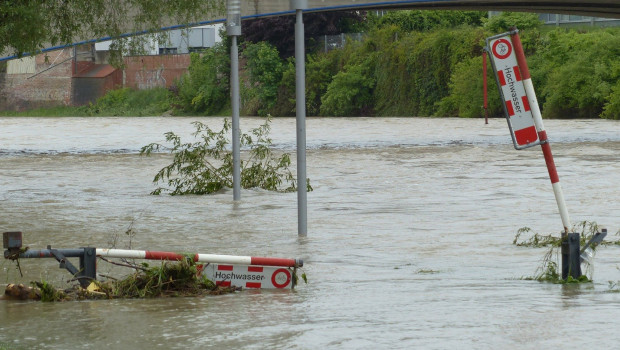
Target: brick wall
column 49, row 86
column 146, row 72
column 52, row 85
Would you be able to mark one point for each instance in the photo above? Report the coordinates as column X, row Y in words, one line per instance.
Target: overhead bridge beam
column 595, row 8
column 253, row 9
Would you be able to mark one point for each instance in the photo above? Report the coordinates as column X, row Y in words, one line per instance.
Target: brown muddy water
column 409, row 245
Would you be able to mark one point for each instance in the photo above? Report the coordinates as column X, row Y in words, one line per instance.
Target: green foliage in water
column 548, row 271
column 586, row 230
column 611, row 109
column 48, row 292
column 169, row 279
column 206, row 166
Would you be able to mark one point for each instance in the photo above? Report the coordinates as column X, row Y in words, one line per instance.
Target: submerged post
column 526, row 126
column 300, row 89
column 233, row 29
column 484, row 86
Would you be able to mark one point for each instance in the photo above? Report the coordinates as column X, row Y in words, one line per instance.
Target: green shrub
column 264, row 69
column 575, row 73
column 611, row 110
column 417, row 20
column 129, row 102
column 205, row 88
column 206, row 166
column 321, row 69
column 506, row 20
column 286, row 97
column 349, row 92
column 466, row 92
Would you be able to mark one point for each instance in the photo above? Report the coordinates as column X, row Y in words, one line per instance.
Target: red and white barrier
column 226, row 270
column 249, row 276
column 200, row 258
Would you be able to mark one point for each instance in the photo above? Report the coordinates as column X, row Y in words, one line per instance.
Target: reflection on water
column 409, row 245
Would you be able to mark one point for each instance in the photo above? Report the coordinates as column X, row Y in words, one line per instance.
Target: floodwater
column 410, row 230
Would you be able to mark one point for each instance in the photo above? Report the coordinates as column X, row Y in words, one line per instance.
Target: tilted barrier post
column 527, row 129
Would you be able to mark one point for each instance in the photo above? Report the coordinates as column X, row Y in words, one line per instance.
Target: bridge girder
column 595, row 8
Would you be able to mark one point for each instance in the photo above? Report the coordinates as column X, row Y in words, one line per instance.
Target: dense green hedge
column 415, row 63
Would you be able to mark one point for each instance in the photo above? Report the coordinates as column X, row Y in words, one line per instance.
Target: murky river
column 409, row 245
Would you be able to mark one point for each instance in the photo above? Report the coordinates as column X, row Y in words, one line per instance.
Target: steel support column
column 300, row 88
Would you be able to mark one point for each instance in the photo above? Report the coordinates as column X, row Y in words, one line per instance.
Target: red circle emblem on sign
column 502, row 48
column 281, row 278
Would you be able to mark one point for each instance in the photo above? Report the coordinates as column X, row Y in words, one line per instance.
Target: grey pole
column 300, row 87
column 233, row 29
column 236, row 143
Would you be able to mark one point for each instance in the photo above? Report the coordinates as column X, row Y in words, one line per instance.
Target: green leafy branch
column 206, row 166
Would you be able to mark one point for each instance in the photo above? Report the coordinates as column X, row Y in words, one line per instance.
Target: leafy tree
column 278, row 30
column 611, row 110
column 466, row 95
column 575, row 72
column 417, row 20
column 265, row 68
column 31, row 25
column 206, row 166
column 205, row 87
column 506, row 20
column 349, row 93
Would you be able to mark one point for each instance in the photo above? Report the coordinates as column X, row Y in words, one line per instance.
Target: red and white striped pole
column 542, row 134
column 484, row 86
column 203, row 258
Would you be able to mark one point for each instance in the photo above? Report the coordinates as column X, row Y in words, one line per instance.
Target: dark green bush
column 506, row 20
column 466, row 92
column 205, row 87
column 129, row 102
column 575, row 73
column 416, row 20
column 264, row 69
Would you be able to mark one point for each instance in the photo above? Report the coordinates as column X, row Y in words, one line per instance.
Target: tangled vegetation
column 206, row 166
column 548, row 271
column 170, row 279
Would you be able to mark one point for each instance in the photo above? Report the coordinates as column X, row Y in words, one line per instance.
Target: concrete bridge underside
column 595, row 8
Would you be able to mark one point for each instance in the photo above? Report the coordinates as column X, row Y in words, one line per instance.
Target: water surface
column 409, row 239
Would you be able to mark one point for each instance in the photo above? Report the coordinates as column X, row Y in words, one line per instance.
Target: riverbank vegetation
column 407, row 63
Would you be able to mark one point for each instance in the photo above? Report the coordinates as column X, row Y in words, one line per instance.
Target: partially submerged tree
column 206, row 166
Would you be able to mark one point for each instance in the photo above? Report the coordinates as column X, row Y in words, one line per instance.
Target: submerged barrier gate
column 224, row 270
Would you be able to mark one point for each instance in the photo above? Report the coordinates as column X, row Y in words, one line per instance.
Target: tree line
column 409, row 63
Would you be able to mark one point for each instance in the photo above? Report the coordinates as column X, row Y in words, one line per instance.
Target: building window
column 167, row 50
column 197, row 49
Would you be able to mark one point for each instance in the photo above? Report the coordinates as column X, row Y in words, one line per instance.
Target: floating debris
column 171, row 279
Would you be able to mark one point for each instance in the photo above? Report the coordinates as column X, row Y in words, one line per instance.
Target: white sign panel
column 250, row 276
column 512, row 91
